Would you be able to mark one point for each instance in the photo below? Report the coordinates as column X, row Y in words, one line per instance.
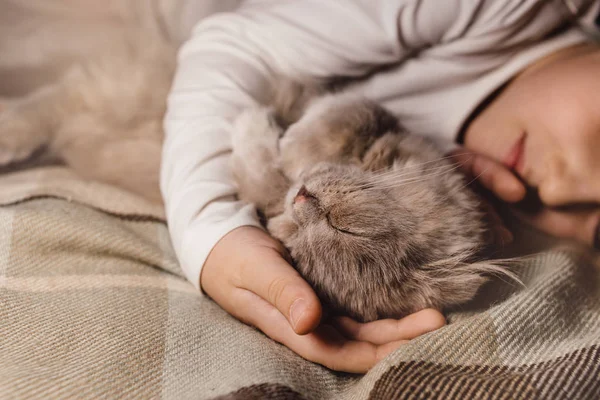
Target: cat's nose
column 302, row 196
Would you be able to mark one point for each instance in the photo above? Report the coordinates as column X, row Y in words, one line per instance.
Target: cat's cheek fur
column 282, row 228
column 430, row 290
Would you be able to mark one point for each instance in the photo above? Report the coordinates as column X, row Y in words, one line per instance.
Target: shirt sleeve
column 227, row 65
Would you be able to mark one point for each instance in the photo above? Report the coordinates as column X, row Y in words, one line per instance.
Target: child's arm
column 225, row 68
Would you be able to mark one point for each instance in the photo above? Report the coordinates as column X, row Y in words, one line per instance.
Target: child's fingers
column 491, row 174
column 391, row 330
column 325, row 346
column 250, row 260
column 498, row 179
column 499, row 234
column 330, row 348
column 581, row 225
column 274, row 280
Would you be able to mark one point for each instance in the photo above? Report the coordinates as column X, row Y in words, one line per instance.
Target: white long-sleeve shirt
column 443, row 57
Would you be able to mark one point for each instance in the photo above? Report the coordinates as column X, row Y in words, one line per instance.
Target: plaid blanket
column 94, row 305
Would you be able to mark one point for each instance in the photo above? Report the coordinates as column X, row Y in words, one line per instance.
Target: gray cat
column 375, row 219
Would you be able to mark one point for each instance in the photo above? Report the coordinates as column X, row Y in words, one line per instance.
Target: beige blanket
column 93, row 305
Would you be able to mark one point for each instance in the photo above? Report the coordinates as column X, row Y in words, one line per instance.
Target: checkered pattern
column 94, row 305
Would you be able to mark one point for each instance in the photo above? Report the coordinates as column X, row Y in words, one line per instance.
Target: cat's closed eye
column 345, row 230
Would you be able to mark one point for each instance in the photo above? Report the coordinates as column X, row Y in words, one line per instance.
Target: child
column 512, row 80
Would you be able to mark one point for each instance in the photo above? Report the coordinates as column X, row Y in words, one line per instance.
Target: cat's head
column 376, row 220
column 373, row 250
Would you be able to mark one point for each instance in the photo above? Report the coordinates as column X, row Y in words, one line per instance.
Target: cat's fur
column 99, row 109
column 375, row 219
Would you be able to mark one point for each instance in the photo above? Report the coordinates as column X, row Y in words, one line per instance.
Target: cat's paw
column 255, row 159
column 19, row 138
column 256, row 128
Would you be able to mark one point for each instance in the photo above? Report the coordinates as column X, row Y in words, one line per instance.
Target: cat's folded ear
column 290, row 97
column 382, row 153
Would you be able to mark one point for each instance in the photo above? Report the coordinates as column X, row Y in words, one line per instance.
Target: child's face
column 545, row 125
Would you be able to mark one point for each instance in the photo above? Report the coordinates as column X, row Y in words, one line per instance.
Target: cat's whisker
column 397, row 174
column 408, row 169
column 474, row 179
column 396, row 182
column 400, row 184
column 433, row 161
column 405, row 172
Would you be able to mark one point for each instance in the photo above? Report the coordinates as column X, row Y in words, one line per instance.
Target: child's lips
column 514, row 160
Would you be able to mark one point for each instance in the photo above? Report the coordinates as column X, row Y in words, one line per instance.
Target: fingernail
column 297, row 310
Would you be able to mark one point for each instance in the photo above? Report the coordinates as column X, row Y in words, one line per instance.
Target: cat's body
column 86, row 86
column 375, row 219
column 102, row 119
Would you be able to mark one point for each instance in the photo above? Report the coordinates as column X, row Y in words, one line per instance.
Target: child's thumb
column 280, row 284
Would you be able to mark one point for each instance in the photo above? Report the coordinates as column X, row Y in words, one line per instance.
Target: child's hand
column 579, row 223
column 491, row 174
column 247, row 274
